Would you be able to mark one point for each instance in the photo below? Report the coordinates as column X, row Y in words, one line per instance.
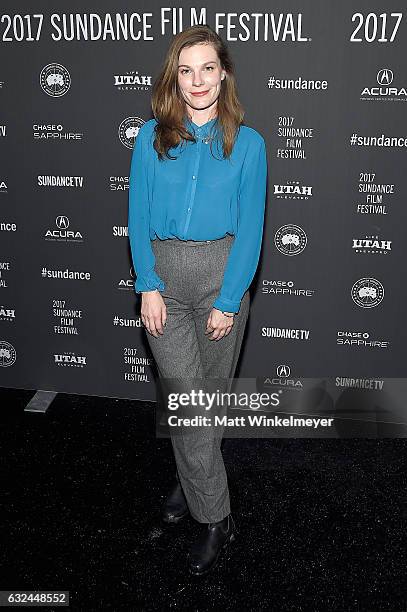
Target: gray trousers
column 193, row 273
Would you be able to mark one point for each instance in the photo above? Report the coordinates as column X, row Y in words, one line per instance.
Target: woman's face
column 199, row 70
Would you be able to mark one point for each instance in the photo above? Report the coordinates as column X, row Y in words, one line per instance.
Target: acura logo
column 385, row 76
column 62, row 222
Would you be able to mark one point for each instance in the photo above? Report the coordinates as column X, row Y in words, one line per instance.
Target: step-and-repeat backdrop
column 324, row 82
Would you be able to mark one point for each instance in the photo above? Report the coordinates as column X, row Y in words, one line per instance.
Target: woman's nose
column 197, row 80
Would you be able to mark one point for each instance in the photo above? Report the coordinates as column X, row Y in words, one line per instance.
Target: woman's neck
column 200, row 119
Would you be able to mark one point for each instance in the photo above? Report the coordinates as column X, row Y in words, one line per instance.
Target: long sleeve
column 245, row 251
column 139, row 220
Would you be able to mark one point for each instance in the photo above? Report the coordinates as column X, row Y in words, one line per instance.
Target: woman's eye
column 184, row 70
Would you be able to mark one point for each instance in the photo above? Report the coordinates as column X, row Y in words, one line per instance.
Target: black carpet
column 322, row 523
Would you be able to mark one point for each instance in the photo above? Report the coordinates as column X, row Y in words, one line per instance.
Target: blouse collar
column 204, row 128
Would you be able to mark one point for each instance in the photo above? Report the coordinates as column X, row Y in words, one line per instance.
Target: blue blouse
column 198, row 197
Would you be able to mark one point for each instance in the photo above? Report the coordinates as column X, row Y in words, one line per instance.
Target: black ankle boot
column 205, row 551
column 175, row 506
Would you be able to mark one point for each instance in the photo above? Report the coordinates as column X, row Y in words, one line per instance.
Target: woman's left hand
column 218, row 324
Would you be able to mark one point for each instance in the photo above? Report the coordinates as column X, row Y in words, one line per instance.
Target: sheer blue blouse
column 198, row 197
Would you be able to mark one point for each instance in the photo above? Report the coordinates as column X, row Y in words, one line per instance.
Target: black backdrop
column 328, row 298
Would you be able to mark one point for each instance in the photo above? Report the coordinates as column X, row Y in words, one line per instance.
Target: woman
column 196, row 212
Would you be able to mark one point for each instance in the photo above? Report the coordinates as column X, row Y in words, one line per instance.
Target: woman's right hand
column 153, row 312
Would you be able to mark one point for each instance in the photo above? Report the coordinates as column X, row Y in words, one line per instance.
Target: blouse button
column 194, row 177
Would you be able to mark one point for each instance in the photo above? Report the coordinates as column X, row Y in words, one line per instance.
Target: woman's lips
column 199, row 93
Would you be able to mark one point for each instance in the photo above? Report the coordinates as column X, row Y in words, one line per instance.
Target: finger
column 221, row 335
column 227, row 330
column 215, row 334
column 151, row 327
column 158, row 325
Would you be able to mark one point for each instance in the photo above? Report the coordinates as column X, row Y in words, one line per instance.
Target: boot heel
column 174, row 520
column 175, row 507
column 230, row 539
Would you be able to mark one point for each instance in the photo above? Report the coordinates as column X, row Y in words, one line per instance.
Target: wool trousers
column 193, row 273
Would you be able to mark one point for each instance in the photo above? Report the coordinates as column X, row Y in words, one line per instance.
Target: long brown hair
column 168, row 104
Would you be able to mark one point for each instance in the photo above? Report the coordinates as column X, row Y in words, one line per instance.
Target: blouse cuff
column 226, row 305
column 148, row 283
